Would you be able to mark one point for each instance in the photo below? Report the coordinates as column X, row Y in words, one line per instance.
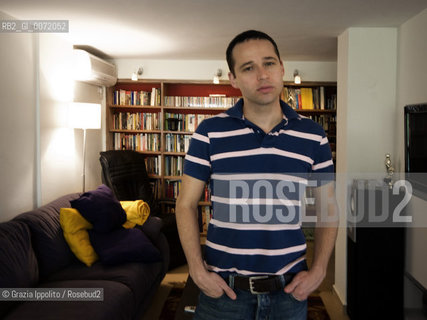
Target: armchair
column 124, row 172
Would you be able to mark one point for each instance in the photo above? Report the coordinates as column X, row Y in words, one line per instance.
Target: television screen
column 416, row 146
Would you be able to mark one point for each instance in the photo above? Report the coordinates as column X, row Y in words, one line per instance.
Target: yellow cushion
column 75, row 233
column 137, row 212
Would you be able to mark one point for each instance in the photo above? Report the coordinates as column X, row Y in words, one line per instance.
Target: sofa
column 35, row 254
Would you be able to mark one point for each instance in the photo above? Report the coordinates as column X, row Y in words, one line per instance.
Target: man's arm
column 187, row 221
column 325, row 236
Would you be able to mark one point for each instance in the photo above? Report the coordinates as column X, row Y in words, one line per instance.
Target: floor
column 332, row 303
column 176, row 275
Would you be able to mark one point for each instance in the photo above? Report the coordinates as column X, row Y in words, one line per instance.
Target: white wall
column 17, row 123
column 367, row 64
column 61, row 146
column 412, row 80
column 205, row 69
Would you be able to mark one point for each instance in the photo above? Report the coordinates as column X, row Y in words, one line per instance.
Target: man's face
column 258, row 72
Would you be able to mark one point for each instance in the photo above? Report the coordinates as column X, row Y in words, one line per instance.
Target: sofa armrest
column 152, row 227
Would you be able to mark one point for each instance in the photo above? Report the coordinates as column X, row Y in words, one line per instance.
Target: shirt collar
column 237, row 111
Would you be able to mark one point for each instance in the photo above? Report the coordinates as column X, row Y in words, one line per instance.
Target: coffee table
column 190, row 297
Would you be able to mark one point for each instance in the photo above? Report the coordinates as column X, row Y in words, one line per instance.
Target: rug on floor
column 172, row 301
column 316, row 308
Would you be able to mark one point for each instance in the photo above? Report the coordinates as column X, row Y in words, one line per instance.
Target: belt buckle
column 251, row 284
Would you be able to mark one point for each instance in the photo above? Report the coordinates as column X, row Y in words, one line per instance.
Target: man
column 256, row 156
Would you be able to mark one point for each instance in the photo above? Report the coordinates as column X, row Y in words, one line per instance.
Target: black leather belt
column 262, row 284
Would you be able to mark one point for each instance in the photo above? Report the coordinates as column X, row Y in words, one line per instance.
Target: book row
column 137, row 142
column 213, row 101
column 206, row 196
column 136, row 121
column 172, row 188
column 205, row 214
column 297, row 98
column 309, row 98
column 156, row 187
column 174, row 165
column 137, row 98
column 177, row 142
column 152, row 120
column 153, row 165
column 184, row 122
column 328, row 122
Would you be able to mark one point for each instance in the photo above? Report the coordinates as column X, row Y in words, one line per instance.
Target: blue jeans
column 248, row 306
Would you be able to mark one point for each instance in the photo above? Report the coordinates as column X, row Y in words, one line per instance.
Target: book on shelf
column 137, row 142
column 137, row 98
column 206, row 216
column 177, row 142
column 155, row 97
column 213, row 101
column 308, row 98
column 172, row 188
column 187, row 122
column 322, row 98
column 326, row 121
column 155, row 188
column 206, row 196
column 136, row 121
column 191, row 122
column 169, row 209
column 154, row 165
column 174, row 165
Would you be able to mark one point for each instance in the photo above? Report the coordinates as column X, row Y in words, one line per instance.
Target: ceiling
column 305, row 30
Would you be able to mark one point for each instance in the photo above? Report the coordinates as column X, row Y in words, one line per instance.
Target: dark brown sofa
column 34, row 253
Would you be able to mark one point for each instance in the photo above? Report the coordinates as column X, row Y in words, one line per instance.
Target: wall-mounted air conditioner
column 91, row 69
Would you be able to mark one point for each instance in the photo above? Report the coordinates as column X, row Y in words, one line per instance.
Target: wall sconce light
column 297, row 77
column 216, row 76
column 84, row 116
column 136, row 74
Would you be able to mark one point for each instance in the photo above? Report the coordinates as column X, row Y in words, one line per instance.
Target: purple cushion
column 101, row 208
column 124, row 245
column 47, row 237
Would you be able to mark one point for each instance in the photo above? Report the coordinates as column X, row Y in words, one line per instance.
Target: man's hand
column 325, row 235
column 304, row 283
column 188, row 226
column 213, row 285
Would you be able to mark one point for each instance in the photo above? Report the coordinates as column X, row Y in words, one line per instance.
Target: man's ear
column 232, row 80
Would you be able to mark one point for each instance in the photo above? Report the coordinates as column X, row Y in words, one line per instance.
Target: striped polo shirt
column 257, row 182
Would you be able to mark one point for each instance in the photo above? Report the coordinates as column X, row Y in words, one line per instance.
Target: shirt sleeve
column 323, row 166
column 197, row 162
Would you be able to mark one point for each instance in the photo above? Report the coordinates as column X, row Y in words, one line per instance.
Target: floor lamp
column 84, row 116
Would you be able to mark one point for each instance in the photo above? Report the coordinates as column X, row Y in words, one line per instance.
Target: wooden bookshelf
column 147, row 119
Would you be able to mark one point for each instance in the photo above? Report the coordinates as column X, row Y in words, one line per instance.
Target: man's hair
column 245, row 36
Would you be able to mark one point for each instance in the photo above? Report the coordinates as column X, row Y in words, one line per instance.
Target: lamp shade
column 84, row 115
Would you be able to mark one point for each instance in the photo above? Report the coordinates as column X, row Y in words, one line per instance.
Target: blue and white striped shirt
column 257, row 183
